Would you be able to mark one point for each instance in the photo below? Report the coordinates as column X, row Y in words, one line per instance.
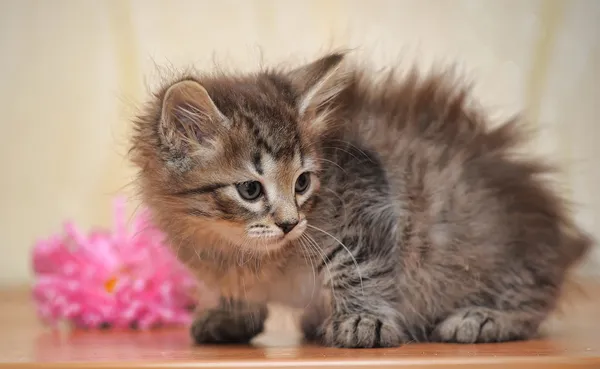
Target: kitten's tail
column 579, row 287
column 576, row 245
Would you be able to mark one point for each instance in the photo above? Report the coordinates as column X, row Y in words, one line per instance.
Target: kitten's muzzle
column 287, row 226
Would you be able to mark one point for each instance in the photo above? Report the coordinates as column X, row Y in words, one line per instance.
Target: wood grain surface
column 572, row 342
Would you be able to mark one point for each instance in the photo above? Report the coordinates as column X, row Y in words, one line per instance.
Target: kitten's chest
column 297, row 287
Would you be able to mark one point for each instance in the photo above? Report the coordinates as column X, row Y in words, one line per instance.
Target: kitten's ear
column 318, row 82
column 189, row 117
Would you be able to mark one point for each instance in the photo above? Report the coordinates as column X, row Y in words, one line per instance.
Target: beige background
column 71, row 73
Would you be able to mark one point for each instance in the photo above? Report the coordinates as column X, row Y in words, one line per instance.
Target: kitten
column 387, row 207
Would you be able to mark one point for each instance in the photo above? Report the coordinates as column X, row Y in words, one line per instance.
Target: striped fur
column 420, row 222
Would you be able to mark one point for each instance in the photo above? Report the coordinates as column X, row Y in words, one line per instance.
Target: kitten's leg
column 361, row 292
column 361, row 256
column 231, row 322
column 353, row 328
column 313, row 317
column 516, row 311
column 481, row 324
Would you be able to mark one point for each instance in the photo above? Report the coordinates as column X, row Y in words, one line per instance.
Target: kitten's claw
column 360, row 331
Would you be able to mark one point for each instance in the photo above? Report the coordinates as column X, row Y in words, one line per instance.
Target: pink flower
column 121, row 279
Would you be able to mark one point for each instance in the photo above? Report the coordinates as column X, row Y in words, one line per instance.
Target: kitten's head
column 237, row 156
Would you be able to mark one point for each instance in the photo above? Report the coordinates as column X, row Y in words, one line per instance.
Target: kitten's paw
column 222, row 327
column 480, row 325
column 361, row 331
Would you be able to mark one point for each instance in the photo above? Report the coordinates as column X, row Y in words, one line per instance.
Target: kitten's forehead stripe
column 273, row 130
column 256, row 160
column 258, row 137
column 201, row 190
column 299, row 153
column 273, row 127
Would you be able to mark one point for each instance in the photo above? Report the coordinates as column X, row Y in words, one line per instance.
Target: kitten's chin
column 270, row 245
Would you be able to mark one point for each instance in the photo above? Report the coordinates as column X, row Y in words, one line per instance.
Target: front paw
column 361, row 331
column 484, row 325
column 223, row 327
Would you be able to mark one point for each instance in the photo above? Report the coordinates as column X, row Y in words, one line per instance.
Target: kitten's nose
column 287, row 226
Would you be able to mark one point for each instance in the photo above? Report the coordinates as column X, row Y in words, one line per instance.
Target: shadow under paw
column 223, row 327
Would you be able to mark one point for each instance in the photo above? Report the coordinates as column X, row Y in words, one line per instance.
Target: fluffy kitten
column 387, row 207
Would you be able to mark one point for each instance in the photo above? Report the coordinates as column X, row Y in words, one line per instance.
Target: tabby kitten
column 387, row 207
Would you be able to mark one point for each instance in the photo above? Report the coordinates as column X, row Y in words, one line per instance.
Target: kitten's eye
column 302, row 183
column 250, row 190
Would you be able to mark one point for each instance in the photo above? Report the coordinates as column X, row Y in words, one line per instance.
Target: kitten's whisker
column 325, row 259
column 197, row 254
column 179, row 245
column 341, row 200
column 354, row 147
column 237, row 252
column 312, row 267
column 347, row 250
column 343, row 150
column 334, row 163
column 250, row 251
column 243, row 251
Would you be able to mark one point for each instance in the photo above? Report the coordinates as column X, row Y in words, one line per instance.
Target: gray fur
column 426, row 226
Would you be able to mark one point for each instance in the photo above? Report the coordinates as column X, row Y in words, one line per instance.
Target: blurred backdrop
column 73, row 72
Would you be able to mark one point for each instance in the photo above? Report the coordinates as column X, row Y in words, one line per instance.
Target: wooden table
column 24, row 343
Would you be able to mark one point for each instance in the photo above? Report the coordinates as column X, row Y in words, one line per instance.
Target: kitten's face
column 263, row 203
column 262, row 181
column 237, row 156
